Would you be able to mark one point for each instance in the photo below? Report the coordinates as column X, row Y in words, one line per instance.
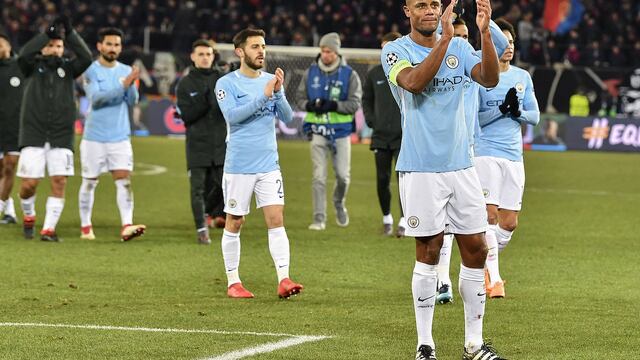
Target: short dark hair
column 504, row 25
column 201, row 42
column 459, row 22
column 390, row 36
column 240, row 38
column 110, row 31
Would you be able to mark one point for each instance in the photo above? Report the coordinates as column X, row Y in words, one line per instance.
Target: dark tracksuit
column 382, row 114
column 11, row 88
column 48, row 111
column 206, row 141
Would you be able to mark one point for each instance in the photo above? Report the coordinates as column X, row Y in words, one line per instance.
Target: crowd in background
column 608, row 34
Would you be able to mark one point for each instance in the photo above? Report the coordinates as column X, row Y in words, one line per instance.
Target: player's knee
column 275, row 221
column 492, row 216
column 235, row 222
column 509, row 224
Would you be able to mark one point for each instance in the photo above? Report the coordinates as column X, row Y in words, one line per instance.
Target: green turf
column 572, row 290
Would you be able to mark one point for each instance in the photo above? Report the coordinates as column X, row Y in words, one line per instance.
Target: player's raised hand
column 446, row 20
column 268, row 89
column 484, row 14
column 280, row 80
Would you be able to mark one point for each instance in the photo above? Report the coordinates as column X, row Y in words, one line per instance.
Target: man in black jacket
column 11, row 88
column 206, row 135
column 381, row 114
column 47, row 119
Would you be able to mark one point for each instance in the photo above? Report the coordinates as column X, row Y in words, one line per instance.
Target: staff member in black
column 47, row 118
column 11, row 88
column 206, row 135
column 381, row 114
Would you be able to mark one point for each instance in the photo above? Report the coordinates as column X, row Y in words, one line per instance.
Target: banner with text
column 602, row 134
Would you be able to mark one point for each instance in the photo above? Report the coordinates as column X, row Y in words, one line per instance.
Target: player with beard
column 251, row 100
column 111, row 90
column 438, row 184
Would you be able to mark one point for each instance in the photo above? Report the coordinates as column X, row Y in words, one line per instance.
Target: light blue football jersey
column 251, row 119
column 501, row 135
column 108, row 118
column 435, row 135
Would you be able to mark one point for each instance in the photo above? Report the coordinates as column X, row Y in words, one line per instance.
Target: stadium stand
column 608, row 33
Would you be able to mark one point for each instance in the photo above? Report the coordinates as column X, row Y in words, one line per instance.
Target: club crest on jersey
column 485, row 192
column 392, row 59
column 221, row 94
column 452, row 61
column 519, row 87
column 61, row 72
column 14, row 81
column 233, row 203
column 413, row 222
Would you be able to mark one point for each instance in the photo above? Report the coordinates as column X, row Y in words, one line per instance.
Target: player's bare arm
column 415, row 79
column 487, row 73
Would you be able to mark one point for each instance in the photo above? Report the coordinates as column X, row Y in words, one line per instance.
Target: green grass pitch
column 571, row 271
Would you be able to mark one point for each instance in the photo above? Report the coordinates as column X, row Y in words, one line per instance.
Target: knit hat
column 332, row 41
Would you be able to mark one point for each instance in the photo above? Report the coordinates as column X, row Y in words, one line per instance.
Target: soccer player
column 47, row 119
column 105, row 146
column 11, row 88
column 206, row 137
column 383, row 116
column 438, row 184
column 445, row 294
column 499, row 161
column 250, row 100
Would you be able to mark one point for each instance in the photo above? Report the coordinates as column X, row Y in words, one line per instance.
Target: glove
column 329, row 106
column 316, row 106
column 508, row 101
column 66, row 23
column 53, row 31
column 514, row 104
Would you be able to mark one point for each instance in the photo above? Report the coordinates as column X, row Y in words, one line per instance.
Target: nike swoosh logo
column 481, row 294
column 281, row 266
column 380, row 82
column 241, row 96
column 425, row 299
column 193, row 94
column 491, row 89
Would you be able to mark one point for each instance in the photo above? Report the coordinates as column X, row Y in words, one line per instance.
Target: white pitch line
column 150, row 169
column 267, row 348
column 292, row 340
column 582, row 192
column 144, row 329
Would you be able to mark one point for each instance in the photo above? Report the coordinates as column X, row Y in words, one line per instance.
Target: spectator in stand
column 525, row 32
column 572, row 56
column 617, row 57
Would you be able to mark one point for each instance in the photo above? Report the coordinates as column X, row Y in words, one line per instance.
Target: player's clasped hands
column 275, row 84
column 132, row 77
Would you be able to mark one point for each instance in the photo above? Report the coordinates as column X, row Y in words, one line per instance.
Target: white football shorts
column 238, row 189
column 33, row 160
column 432, row 200
column 98, row 157
column 502, row 181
